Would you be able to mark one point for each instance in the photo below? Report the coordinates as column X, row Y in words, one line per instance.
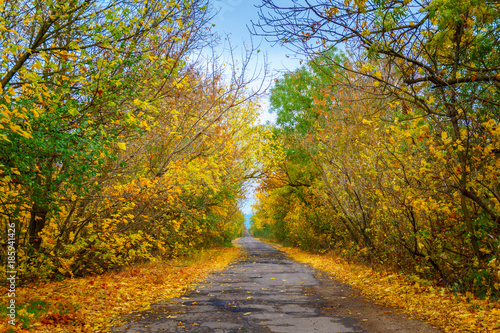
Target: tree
column 115, row 144
column 443, row 49
column 385, row 175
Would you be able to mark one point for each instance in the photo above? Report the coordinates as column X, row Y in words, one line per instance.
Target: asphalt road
column 266, row 291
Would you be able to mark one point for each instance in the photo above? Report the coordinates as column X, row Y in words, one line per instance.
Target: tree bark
column 37, row 223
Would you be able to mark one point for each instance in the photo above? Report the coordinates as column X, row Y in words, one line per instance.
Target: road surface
column 266, row 291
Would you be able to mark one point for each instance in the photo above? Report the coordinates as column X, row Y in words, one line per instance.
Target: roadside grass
column 450, row 311
column 95, row 303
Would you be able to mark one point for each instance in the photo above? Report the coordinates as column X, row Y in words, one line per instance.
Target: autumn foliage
column 115, row 146
column 120, row 144
column 96, row 303
column 392, row 148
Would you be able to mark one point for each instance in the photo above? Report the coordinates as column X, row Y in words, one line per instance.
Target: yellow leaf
column 122, row 145
column 37, row 64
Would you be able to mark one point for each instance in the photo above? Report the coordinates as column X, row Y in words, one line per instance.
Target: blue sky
column 233, row 18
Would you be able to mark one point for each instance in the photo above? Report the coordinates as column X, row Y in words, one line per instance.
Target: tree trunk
column 37, row 223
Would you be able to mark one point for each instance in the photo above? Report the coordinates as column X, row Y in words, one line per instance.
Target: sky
column 232, row 19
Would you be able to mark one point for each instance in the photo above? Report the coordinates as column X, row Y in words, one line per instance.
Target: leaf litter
column 451, row 311
column 95, row 303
